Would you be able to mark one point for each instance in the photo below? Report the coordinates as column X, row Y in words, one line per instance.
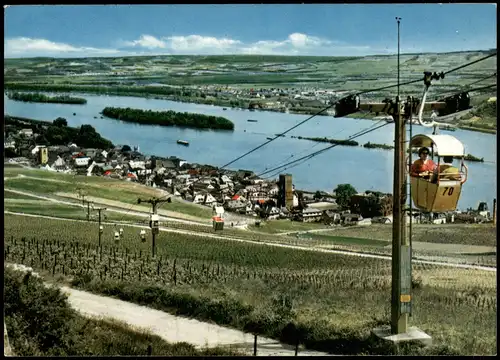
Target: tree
column 317, row 195
column 60, row 122
column 343, row 194
column 126, row 148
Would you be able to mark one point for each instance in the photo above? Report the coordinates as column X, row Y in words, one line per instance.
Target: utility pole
column 88, row 207
column 494, row 212
column 401, row 252
column 154, row 222
column 100, row 230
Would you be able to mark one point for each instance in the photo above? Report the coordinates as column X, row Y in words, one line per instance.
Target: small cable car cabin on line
column 440, row 191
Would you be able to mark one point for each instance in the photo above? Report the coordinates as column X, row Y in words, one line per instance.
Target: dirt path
column 129, row 212
column 7, row 350
column 173, row 328
column 137, row 208
column 315, row 249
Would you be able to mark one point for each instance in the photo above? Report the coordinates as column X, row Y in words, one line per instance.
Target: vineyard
column 333, row 299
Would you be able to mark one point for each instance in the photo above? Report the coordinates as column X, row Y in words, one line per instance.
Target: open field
column 252, row 285
column 43, row 207
column 467, row 234
column 50, row 183
column 281, row 226
column 9, row 195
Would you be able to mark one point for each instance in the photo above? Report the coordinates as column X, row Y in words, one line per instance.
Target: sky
column 261, row 29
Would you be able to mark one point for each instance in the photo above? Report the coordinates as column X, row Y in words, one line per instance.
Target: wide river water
column 365, row 169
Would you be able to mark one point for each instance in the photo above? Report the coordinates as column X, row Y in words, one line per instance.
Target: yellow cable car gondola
column 441, row 191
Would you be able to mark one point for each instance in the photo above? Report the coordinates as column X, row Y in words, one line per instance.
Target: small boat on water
column 183, row 142
column 269, row 138
column 251, row 120
column 224, row 108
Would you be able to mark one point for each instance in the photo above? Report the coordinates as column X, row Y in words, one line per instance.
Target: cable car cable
column 357, row 94
column 485, row 78
column 320, row 151
column 359, row 133
column 434, row 76
column 440, row 95
column 470, row 63
column 317, row 143
column 302, row 160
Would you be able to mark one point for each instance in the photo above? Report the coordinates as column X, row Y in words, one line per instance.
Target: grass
column 12, row 195
column 40, row 322
column 332, row 300
column 463, row 234
column 50, row 183
column 280, row 226
column 47, row 208
column 345, row 240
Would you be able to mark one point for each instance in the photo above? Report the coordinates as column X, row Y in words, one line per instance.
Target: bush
column 40, row 322
column 38, row 316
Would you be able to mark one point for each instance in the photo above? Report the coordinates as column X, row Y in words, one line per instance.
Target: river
column 365, row 169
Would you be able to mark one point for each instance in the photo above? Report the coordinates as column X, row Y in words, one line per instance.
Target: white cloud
column 294, row 44
column 195, row 43
column 146, row 41
column 26, row 47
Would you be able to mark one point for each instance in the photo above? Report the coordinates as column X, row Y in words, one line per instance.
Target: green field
column 49, row 183
column 334, row 300
column 279, row 226
column 12, row 195
column 344, row 240
column 460, row 234
column 47, row 208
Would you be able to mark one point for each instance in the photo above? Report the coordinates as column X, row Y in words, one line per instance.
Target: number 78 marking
column 449, row 190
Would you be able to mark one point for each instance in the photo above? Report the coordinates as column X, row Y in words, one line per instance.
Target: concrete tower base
column 413, row 334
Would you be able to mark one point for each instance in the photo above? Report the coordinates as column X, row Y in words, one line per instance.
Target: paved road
column 340, row 252
column 173, row 328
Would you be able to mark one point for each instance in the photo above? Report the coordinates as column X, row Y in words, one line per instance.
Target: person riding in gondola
column 447, row 171
column 423, row 167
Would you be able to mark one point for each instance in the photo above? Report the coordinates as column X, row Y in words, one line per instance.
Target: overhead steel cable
column 466, row 87
column 362, row 132
column 314, row 115
column 470, row 63
column 310, row 156
column 284, row 162
column 336, row 102
column 357, row 94
column 317, row 143
column 480, row 80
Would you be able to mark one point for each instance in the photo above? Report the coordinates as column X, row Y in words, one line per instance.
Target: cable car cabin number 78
column 440, row 192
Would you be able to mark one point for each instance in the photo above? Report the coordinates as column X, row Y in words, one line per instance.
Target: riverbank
column 172, row 93
column 41, row 98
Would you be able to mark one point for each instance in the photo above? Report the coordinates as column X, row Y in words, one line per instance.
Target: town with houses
column 237, row 191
